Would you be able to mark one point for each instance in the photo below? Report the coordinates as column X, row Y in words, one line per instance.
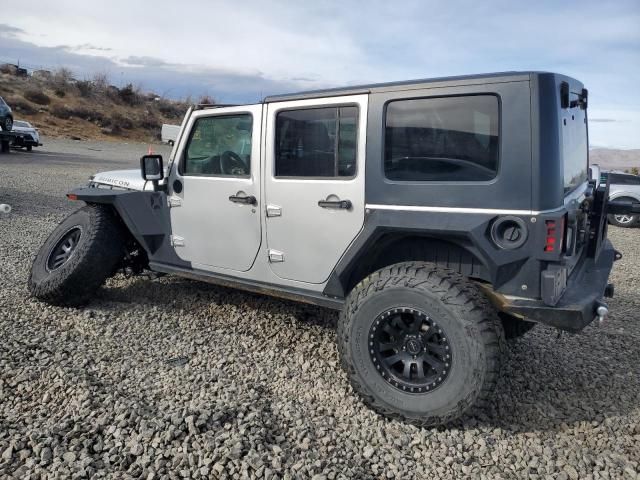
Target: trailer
column 9, row 138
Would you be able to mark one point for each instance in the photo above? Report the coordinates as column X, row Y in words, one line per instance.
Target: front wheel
column 79, row 255
column 420, row 343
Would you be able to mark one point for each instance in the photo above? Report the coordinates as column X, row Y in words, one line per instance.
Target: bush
column 207, row 100
column 37, row 96
column 60, row 111
column 170, row 109
column 20, row 105
column 120, row 121
column 85, row 87
column 87, row 114
column 150, row 122
column 130, row 95
column 59, row 92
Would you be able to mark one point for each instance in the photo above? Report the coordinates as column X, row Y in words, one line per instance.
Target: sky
column 241, row 51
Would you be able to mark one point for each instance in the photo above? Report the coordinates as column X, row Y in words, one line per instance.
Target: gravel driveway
column 172, row 378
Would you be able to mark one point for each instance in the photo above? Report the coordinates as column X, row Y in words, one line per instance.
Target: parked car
column 623, row 186
column 438, row 216
column 6, row 117
column 170, row 133
column 31, row 137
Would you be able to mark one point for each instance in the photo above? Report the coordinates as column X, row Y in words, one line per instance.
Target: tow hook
column 602, row 312
column 617, row 255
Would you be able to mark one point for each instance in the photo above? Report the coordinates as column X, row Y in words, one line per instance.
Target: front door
column 214, row 189
column 314, row 183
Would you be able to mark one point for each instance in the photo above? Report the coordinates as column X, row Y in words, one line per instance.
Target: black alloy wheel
column 410, row 350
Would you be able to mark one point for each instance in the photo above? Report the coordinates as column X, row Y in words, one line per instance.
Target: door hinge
column 176, row 241
column 174, row 202
column 275, row 256
column 274, row 211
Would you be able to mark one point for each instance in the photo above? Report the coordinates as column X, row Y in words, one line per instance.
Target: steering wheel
column 232, row 164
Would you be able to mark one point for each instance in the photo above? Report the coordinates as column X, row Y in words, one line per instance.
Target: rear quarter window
column 442, row 139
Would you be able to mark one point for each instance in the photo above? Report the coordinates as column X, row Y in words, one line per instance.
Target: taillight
column 555, row 235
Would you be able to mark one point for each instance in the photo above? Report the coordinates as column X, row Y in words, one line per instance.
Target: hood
column 128, row 179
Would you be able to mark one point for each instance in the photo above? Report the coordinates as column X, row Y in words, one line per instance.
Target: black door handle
column 343, row 204
column 248, row 200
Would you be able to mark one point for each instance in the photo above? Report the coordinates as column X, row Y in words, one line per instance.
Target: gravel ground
column 172, row 378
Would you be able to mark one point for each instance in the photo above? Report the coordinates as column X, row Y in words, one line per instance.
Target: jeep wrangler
column 438, row 216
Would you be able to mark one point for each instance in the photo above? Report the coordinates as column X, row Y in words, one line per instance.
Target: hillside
column 612, row 159
column 60, row 106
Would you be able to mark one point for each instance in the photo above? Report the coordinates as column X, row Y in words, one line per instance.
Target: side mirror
column 151, row 167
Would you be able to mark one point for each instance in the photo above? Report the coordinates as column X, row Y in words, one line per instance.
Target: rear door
column 314, row 183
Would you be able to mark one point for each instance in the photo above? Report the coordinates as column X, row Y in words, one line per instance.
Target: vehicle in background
column 31, row 137
column 623, row 186
column 170, row 133
column 6, row 117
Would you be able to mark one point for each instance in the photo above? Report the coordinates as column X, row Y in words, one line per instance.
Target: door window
column 219, row 145
column 316, row 142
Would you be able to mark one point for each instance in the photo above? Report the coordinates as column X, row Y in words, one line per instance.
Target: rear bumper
column 577, row 307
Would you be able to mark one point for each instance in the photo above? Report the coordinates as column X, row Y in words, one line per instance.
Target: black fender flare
column 144, row 213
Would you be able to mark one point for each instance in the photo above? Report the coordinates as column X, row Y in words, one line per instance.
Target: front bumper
column 577, row 307
column 26, row 140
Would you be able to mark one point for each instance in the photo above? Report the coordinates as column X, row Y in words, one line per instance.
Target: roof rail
column 202, row 106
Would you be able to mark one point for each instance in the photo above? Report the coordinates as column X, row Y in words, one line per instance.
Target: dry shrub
column 130, row 95
column 150, row 122
column 60, row 111
column 20, row 105
column 85, row 87
column 37, row 96
column 120, row 121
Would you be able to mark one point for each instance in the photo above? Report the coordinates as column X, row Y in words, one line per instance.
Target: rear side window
column 316, row 142
column 442, row 139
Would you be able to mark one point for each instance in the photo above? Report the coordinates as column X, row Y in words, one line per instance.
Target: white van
column 170, row 133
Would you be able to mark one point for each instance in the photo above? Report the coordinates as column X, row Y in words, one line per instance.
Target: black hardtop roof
column 406, row 84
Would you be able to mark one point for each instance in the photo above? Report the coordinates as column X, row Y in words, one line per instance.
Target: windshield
column 19, row 123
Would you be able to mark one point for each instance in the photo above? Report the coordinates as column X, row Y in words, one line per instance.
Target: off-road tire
column 7, row 123
column 29, row 148
column 515, row 328
column 472, row 325
column 99, row 250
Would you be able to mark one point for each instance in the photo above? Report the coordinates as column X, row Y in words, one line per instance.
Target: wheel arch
column 388, row 248
column 144, row 214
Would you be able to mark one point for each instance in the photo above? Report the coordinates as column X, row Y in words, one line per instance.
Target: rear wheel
column 76, row 259
column 420, row 343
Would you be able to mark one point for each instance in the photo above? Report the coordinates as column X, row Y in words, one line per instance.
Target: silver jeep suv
column 440, row 217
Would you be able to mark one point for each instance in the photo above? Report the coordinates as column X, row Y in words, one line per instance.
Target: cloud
column 9, row 32
column 164, row 78
column 284, row 45
column 144, row 61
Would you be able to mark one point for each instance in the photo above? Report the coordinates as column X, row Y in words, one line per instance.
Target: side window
column 316, row 142
column 219, row 145
column 442, row 139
